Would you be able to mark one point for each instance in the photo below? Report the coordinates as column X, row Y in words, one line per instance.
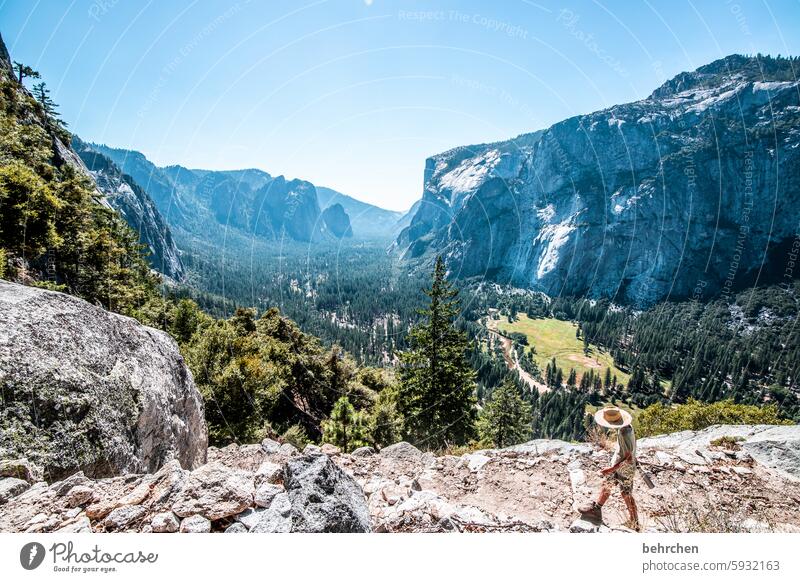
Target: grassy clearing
column 556, row 338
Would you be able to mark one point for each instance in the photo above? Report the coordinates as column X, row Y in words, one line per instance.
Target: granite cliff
column 689, row 192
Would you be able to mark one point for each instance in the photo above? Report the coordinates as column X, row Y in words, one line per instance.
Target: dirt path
column 510, row 358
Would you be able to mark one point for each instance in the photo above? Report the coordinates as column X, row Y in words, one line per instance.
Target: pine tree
column 345, row 428
column 385, row 424
column 572, row 379
column 506, row 419
column 436, row 392
column 559, row 378
column 24, row 71
column 42, row 95
column 185, row 320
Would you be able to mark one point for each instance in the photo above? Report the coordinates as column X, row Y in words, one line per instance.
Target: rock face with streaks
column 86, row 389
column 685, row 193
column 136, row 207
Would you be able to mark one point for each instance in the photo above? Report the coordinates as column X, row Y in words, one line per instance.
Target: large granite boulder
column 85, row 389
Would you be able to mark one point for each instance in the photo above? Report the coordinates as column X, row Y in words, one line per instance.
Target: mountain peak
column 753, row 68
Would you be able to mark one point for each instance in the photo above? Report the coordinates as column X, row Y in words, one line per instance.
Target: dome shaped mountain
column 337, row 221
column 690, row 192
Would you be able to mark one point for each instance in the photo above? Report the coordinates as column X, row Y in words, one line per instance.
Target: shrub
column 296, row 436
column 385, row 425
column 727, row 442
column 695, row 415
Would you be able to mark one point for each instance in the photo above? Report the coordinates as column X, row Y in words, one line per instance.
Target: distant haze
column 353, row 94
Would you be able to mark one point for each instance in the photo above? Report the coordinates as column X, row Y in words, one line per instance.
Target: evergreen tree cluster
column 745, row 347
column 54, row 230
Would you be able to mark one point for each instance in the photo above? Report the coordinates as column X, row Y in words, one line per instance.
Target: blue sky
column 355, row 94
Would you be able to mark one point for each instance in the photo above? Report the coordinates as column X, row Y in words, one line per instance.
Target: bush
column 296, row 436
column 727, row 442
column 695, row 415
column 251, row 371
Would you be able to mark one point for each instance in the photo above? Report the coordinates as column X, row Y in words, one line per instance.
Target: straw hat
column 612, row 417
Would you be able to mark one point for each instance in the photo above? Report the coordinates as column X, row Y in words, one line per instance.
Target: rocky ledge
column 702, row 482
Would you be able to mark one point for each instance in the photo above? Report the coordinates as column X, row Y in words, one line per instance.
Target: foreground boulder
column 324, row 498
column 85, row 389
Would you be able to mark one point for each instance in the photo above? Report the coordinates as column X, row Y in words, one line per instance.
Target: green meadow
column 554, row 338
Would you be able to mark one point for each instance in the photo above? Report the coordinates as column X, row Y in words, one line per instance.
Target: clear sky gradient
column 355, row 94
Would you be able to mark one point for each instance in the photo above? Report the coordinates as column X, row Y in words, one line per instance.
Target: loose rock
column 11, row 487
column 79, row 495
column 214, row 491
column 123, row 517
column 195, row 524
column 266, row 493
column 324, row 498
column 401, row 450
column 166, row 522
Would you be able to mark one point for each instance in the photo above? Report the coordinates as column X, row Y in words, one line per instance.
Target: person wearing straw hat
column 622, row 469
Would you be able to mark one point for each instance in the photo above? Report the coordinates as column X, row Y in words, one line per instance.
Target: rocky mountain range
column 689, row 192
column 136, row 207
column 204, row 204
column 115, row 190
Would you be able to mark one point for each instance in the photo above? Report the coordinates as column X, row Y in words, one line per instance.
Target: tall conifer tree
column 436, row 393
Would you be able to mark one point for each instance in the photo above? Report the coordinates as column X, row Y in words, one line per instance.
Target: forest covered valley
column 299, row 323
